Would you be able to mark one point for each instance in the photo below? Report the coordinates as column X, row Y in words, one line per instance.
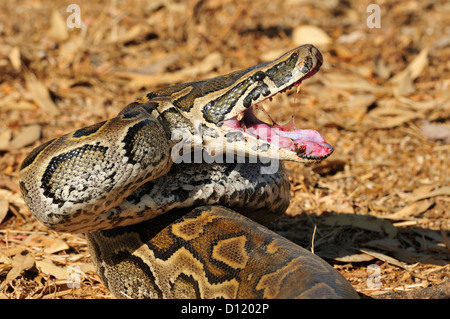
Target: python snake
column 198, row 151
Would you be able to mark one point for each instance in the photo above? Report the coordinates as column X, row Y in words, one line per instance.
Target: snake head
column 233, row 110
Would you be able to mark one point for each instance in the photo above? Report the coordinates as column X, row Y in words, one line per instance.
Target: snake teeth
column 306, row 143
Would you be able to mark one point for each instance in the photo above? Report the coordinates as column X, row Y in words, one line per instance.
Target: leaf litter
column 381, row 98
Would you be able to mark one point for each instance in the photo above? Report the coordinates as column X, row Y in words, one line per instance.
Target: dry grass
column 381, row 98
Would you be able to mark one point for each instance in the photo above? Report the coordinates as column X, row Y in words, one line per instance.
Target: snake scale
column 198, row 151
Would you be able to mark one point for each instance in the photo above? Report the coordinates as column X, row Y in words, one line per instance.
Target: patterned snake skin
column 172, row 192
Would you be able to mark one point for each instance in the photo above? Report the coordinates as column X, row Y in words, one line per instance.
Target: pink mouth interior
column 308, row 144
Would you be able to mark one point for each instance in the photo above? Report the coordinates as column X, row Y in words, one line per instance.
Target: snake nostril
column 319, row 58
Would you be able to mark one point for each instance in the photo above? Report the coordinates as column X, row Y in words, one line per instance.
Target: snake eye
column 259, row 76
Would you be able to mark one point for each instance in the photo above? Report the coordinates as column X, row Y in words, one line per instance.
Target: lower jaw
column 306, row 143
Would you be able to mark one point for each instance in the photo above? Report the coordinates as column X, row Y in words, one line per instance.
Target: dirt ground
column 377, row 209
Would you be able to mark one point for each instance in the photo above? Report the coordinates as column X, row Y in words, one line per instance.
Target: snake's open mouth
column 306, row 143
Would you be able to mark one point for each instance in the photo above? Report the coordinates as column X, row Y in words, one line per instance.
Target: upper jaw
column 287, row 141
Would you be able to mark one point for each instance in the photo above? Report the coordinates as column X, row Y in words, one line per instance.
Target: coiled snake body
column 197, row 150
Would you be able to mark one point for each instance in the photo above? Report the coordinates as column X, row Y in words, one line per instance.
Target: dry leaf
column 349, row 83
column 422, row 106
column 16, row 199
column 58, row 27
column 344, row 52
column 208, row 64
column 443, row 191
column 416, row 67
column 421, row 190
column 382, row 69
column 412, row 210
column 14, row 57
column 357, row 106
column 445, row 239
column 310, row 34
column 5, row 137
column 362, row 221
column 354, row 258
column 16, row 105
column 403, row 82
column 331, row 203
column 384, row 243
column 12, row 251
column 69, row 49
column 26, row 136
column 159, row 65
column 88, row 268
column 20, row 263
column 41, row 95
column 134, row 32
column 351, row 37
column 431, row 234
column 4, row 207
column 51, row 245
column 273, row 54
column 390, row 113
column 383, row 257
column 342, row 255
column 394, row 248
column 49, row 268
